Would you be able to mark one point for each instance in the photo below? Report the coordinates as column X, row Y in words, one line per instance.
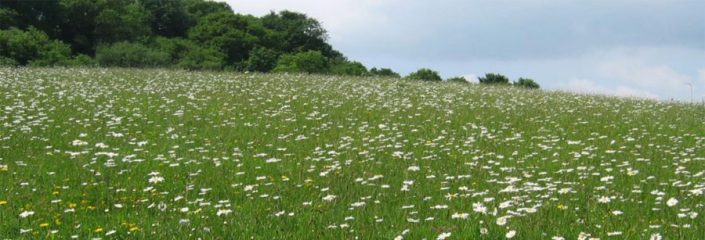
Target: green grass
column 77, row 147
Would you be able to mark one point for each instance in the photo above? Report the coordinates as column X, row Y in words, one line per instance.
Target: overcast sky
column 645, row 48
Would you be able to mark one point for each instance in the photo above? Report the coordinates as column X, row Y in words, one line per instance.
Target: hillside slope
column 124, row 153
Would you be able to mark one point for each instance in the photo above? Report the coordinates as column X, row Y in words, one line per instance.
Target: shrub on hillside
column 304, row 62
column 262, row 60
column 80, row 60
column 55, row 53
column 5, row 62
column 458, row 80
column 349, row 68
column 493, row 78
column 31, row 46
column 425, row 74
column 527, row 83
column 202, row 58
column 126, row 54
column 384, row 72
column 186, row 54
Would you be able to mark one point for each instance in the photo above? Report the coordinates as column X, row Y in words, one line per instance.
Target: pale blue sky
column 618, row 47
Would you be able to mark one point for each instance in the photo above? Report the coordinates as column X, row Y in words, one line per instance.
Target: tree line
column 187, row 34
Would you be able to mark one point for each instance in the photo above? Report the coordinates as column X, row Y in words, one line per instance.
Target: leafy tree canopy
column 350, row 68
column 384, row 72
column 494, row 78
column 31, row 47
column 232, row 34
column 304, row 62
column 527, row 83
column 425, row 74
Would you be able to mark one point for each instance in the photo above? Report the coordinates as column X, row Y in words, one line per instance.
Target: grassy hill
column 156, row 154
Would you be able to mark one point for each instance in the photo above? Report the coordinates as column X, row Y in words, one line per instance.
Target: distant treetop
column 425, row 74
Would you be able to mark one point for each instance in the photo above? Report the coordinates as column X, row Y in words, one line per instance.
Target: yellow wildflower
column 43, row 225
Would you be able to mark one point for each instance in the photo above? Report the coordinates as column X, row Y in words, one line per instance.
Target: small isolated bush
column 384, row 72
column 126, row 54
column 425, row 74
column 527, row 83
column 493, row 78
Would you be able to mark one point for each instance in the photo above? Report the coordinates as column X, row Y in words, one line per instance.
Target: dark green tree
column 296, row 32
column 169, row 17
column 186, row 54
column 305, row 62
column 42, row 15
column 494, row 78
column 527, row 83
column 199, row 8
column 384, row 72
column 262, row 60
column 8, row 18
column 233, row 35
column 78, row 26
column 128, row 23
column 425, row 74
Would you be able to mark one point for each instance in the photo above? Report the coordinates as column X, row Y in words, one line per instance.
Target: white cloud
column 701, row 75
column 636, row 71
column 591, row 87
column 472, row 78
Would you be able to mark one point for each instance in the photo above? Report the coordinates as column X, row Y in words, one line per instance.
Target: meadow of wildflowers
column 163, row 154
